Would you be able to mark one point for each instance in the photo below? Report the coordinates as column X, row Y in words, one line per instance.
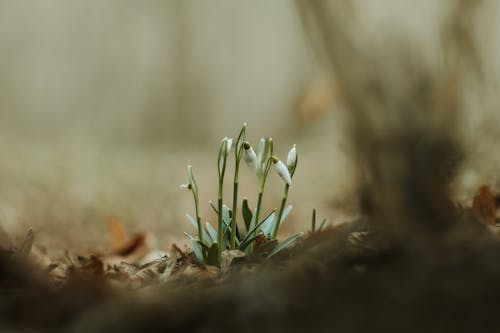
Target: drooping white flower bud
column 282, row 170
column 291, row 160
column 223, row 152
column 229, row 143
column 250, row 157
column 225, row 146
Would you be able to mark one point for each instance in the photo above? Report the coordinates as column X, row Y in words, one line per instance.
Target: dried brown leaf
column 484, row 205
column 117, row 233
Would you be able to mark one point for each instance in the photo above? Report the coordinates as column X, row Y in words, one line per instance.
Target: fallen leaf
column 484, row 205
column 117, row 233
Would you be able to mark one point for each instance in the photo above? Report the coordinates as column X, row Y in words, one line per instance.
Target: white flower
column 229, row 143
column 185, row 186
column 250, row 156
column 282, row 170
column 291, row 160
column 223, row 153
column 225, row 146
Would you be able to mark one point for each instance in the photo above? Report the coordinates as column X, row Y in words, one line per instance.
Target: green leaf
column 255, row 228
column 286, row 243
column 213, row 255
column 268, row 225
column 247, row 213
column 247, row 242
column 252, row 222
column 226, row 215
column 197, row 249
column 211, row 231
column 195, row 225
column 189, row 236
column 313, row 222
column 286, row 211
column 225, row 238
column 323, row 223
column 214, row 208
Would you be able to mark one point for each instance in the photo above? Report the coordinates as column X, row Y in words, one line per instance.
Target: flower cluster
column 210, row 243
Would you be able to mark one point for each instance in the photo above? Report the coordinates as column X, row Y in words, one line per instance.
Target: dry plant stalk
column 403, row 117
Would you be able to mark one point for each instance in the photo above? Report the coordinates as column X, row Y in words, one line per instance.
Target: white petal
column 283, row 172
column 291, row 160
column 251, row 158
column 229, row 144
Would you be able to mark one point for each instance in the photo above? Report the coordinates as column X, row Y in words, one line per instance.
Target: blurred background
column 104, row 103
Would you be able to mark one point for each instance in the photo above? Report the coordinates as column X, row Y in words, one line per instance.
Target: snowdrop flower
column 223, row 153
column 250, row 156
column 282, row 170
column 225, row 147
column 229, row 143
column 291, row 160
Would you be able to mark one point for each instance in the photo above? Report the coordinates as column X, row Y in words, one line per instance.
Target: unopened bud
column 250, row 156
column 291, row 160
column 282, row 170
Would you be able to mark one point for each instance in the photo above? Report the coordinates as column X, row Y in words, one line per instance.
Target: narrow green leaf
column 197, row 249
column 189, row 236
column 247, row 242
column 247, row 213
column 211, row 231
column 286, row 243
column 213, row 255
column 252, row 230
column 226, row 214
column 252, row 221
column 195, row 225
column 284, row 215
column 192, row 221
column 204, row 246
column 225, row 238
column 313, row 222
column 323, row 223
column 286, row 211
column 214, row 208
column 268, row 225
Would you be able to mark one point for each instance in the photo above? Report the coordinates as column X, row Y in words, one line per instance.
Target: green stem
column 198, row 217
column 235, row 208
column 257, row 215
column 220, row 232
column 280, row 214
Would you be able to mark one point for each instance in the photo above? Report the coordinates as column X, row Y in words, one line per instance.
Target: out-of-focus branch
column 403, row 114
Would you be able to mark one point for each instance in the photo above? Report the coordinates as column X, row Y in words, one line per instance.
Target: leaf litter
column 132, row 262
